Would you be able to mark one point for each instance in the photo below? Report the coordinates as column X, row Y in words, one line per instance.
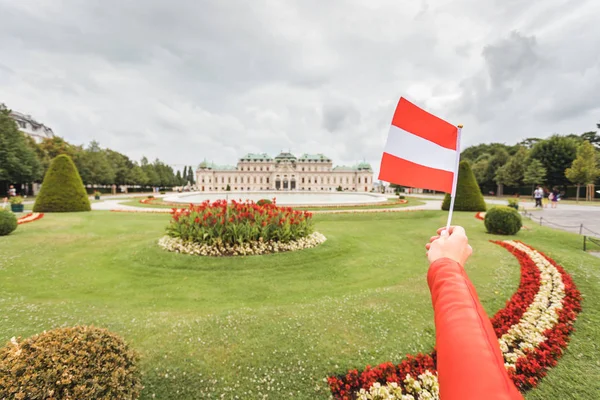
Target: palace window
column 261, row 168
column 359, row 179
column 254, row 177
column 302, row 169
column 267, row 180
column 202, row 179
column 308, row 180
column 255, row 168
column 235, row 180
column 261, row 180
column 228, row 179
column 302, row 180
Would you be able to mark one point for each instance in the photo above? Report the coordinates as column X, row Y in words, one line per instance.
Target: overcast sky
column 187, row 80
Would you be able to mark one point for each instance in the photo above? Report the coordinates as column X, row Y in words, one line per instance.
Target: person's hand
column 452, row 244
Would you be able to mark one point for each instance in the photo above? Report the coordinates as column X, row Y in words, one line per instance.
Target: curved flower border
column 533, row 330
column 29, row 218
column 247, row 249
column 480, row 215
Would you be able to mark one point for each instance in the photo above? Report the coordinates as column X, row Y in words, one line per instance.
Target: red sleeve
column 469, row 362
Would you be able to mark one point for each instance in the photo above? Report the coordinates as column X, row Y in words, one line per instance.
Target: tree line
column 558, row 161
column 24, row 161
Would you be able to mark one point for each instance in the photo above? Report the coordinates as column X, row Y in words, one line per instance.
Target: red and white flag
column 421, row 150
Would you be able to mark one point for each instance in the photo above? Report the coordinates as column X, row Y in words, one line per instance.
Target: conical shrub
column 62, row 189
column 468, row 194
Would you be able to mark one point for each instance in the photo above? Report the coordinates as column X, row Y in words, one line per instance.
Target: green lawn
column 388, row 204
column 277, row 324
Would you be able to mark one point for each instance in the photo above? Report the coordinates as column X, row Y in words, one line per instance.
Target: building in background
column 30, row 126
column 256, row 172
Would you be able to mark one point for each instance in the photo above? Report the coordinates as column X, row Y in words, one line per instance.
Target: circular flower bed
column 533, row 330
column 236, row 228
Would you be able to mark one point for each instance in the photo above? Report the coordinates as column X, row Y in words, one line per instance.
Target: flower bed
column 29, row 218
column 480, row 215
column 236, row 228
column 533, row 330
column 253, row 248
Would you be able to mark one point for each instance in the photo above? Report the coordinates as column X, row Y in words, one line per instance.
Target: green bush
column 513, row 203
column 401, row 197
column 262, row 202
column 62, row 189
column 16, row 200
column 69, row 363
column 163, row 192
column 468, row 194
column 503, row 220
column 8, row 223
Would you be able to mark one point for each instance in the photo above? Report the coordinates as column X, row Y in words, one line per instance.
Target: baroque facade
column 30, row 126
column 256, row 172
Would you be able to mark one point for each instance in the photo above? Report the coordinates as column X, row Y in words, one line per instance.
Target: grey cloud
column 184, row 80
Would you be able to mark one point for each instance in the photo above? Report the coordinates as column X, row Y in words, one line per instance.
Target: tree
column 190, row 177
column 480, row 167
column 137, row 176
column 511, row 173
column 535, row 173
column 95, row 166
column 529, row 142
column 185, row 175
column 584, row 169
column 228, row 188
column 178, row 178
column 19, row 163
column 468, row 194
column 556, row 155
column 120, row 164
column 498, row 160
column 62, row 190
column 592, row 137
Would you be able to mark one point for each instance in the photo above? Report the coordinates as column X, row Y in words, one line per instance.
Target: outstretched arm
column 469, row 362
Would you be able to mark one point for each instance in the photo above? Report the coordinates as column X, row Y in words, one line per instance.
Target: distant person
column 12, row 192
column 538, row 194
column 554, row 197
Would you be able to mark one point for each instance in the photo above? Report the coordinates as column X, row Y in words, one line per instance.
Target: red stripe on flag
column 402, row 172
column 419, row 122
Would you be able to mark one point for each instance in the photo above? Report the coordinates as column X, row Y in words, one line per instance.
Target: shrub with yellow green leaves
column 82, row 362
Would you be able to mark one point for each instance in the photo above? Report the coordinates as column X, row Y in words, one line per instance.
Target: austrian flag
column 421, row 150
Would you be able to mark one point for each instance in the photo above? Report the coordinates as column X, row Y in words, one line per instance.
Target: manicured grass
column 388, row 204
column 274, row 324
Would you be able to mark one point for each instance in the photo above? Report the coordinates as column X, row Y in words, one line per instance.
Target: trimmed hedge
column 503, row 220
column 82, row 362
column 8, row 222
column 468, row 194
column 62, row 189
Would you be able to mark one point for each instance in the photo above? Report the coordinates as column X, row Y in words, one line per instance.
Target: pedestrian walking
column 538, row 194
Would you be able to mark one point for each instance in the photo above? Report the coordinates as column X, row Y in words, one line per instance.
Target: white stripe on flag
column 420, row 151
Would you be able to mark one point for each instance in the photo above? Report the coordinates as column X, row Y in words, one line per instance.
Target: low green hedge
column 82, row 362
column 8, row 222
column 503, row 220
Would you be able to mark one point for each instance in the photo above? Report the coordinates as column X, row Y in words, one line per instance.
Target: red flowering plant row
column 29, row 218
column 529, row 367
column 238, row 223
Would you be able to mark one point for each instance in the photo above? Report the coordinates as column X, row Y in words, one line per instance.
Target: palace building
column 256, row 172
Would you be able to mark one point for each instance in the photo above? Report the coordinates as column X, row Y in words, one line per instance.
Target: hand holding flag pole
column 422, row 151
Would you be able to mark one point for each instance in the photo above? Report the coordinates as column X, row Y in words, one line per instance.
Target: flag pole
column 455, row 179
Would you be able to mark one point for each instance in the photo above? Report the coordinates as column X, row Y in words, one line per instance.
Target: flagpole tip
column 460, row 126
